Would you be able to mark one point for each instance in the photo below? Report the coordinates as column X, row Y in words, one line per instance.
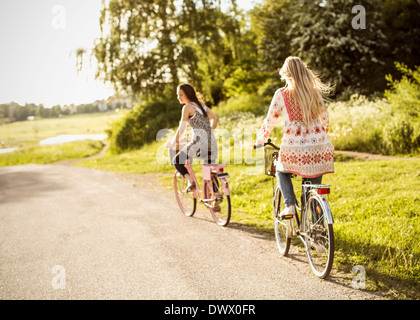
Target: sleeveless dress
column 305, row 151
column 203, row 144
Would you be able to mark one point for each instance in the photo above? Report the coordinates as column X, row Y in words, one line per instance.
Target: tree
column 402, row 29
column 154, row 44
column 322, row 34
column 404, row 94
column 138, row 53
column 4, row 111
column 270, row 23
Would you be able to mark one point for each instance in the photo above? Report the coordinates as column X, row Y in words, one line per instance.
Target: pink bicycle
column 215, row 193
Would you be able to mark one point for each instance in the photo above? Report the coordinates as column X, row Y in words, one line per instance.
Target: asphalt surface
column 68, row 232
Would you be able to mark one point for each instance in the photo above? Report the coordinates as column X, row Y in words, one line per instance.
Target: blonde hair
column 306, row 88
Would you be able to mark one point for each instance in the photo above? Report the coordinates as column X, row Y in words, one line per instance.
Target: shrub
column 252, row 103
column 141, row 124
column 400, row 137
column 403, row 134
column 404, row 94
column 386, row 126
column 374, row 126
column 358, row 124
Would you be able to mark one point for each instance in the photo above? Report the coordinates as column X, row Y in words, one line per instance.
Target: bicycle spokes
column 217, row 200
column 319, row 237
column 282, row 228
column 186, row 200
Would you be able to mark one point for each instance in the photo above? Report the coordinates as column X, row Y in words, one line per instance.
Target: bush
column 252, row 103
column 141, row 124
column 404, row 94
column 385, row 126
column 403, row 135
column 358, row 124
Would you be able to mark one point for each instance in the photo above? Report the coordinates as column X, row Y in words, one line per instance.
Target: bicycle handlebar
column 268, row 143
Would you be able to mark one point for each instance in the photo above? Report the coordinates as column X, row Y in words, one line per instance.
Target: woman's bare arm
column 214, row 118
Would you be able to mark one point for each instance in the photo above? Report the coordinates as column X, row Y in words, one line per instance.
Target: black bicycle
column 312, row 223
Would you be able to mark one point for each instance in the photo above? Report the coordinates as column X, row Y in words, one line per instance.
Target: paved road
column 68, row 232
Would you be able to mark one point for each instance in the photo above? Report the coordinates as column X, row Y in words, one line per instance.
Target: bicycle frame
column 312, row 223
column 321, row 190
column 305, row 192
column 306, row 189
column 208, row 170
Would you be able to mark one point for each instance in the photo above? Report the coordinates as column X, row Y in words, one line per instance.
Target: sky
column 38, row 43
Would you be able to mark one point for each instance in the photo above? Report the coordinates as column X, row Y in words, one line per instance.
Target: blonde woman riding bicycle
column 305, row 149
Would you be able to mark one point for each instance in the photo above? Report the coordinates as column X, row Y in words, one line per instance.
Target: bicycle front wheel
column 282, row 228
column 217, row 201
column 186, row 200
column 319, row 235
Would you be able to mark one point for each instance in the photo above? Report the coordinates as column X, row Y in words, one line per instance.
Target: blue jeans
column 286, row 187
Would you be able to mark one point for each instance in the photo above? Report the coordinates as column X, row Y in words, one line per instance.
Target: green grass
column 377, row 215
column 24, row 133
column 375, row 204
column 51, row 154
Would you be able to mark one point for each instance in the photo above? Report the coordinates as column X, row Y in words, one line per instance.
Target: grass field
column 23, row 133
column 51, row 154
column 375, row 204
column 25, row 136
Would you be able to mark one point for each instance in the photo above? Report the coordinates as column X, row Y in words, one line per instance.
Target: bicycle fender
column 225, row 186
column 327, row 210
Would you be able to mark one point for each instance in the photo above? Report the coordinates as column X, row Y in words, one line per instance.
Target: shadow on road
column 20, row 185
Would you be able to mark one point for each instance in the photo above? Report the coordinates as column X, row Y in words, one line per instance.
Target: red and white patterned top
column 305, row 151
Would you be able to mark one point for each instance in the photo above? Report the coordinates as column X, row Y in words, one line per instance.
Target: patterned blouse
column 305, row 151
column 204, row 143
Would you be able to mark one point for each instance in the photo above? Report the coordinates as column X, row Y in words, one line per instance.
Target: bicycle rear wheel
column 282, row 228
column 219, row 202
column 186, row 200
column 319, row 235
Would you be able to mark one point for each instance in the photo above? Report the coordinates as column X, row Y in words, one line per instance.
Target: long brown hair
column 192, row 96
column 306, row 88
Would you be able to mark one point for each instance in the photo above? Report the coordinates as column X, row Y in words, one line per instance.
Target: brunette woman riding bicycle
column 305, row 149
column 203, row 144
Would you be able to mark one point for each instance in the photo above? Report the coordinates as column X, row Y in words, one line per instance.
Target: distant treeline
column 11, row 112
